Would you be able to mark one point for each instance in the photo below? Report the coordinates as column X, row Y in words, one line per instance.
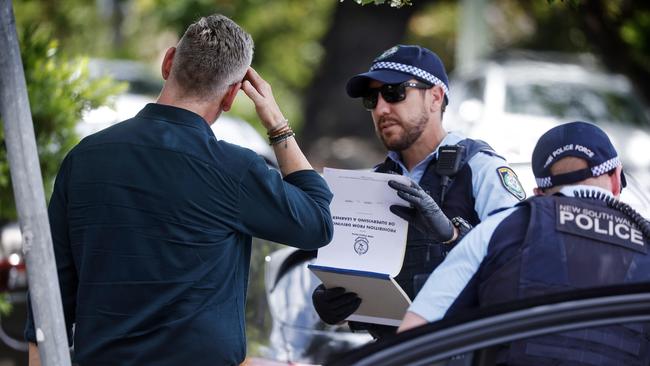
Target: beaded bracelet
column 281, row 125
column 278, row 139
column 280, row 131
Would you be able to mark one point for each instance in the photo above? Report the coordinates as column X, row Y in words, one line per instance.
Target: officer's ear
column 616, row 181
column 438, row 98
column 538, row 191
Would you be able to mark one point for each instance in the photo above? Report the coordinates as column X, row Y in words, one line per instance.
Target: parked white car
column 510, row 102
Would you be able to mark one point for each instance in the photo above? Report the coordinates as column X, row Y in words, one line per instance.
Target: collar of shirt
column 417, row 172
column 570, row 191
column 168, row 113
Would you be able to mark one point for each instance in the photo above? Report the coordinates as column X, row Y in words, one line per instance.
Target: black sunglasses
column 392, row 93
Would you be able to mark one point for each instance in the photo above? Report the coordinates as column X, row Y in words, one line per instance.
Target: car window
column 575, row 101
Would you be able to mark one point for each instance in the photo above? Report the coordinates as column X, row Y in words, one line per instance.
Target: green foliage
column 286, row 35
column 435, row 26
column 633, row 27
column 59, row 91
column 65, row 20
column 5, row 305
column 573, row 3
column 393, row 3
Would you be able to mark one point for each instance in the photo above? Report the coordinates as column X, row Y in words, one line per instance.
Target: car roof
column 506, row 322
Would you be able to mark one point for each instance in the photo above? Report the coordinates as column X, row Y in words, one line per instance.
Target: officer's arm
column 451, row 277
column 411, row 320
column 495, row 186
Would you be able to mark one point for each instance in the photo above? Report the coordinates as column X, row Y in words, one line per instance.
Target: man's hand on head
column 260, row 92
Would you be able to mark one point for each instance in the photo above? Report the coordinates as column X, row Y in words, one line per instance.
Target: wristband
column 281, row 125
column 278, row 139
column 280, row 132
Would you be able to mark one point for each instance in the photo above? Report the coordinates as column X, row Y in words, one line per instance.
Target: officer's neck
column 422, row 147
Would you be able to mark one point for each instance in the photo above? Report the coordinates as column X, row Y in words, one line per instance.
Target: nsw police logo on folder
column 361, row 245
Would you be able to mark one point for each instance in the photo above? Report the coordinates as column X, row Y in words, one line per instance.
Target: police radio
column 449, row 159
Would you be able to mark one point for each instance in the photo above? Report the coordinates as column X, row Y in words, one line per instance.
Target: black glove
column 334, row 305
column 425, row 215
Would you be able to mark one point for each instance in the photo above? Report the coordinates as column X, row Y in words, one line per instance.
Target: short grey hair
column 214, row 53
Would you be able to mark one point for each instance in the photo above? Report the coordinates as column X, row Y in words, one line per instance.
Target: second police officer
column 406, row 92
column 573, row 234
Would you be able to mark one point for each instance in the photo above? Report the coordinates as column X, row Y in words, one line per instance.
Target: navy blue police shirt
column 466, row 278
column 581, row 238
column 152, row 222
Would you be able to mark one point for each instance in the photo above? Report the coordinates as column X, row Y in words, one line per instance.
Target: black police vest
column 573, row 243
column 422, row 254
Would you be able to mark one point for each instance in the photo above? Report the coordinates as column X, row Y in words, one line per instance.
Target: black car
column 475, row 339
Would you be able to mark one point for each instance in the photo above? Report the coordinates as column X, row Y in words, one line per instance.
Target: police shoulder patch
column 511, row 182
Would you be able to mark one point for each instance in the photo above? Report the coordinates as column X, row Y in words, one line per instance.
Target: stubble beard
column 411, row 132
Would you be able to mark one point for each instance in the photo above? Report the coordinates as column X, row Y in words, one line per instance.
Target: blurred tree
column 59, row 92
column 619, row 32
column 435, row 27
column 67, row 21
column 338, row 130
column 393, row 3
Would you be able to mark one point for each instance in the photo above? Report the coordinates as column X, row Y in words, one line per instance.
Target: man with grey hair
column 152, row 218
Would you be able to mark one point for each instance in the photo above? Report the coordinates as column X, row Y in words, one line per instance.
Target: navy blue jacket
column 152, row 222
column 548, row 245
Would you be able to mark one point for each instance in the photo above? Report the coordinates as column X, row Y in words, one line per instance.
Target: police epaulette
column 627, row 210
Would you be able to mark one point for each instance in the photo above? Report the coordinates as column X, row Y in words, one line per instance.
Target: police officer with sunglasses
column 456, row 182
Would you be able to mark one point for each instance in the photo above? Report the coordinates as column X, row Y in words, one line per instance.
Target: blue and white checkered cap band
column 544, row 182
column 606, row 166
column 596, row 171
column 415, row 71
